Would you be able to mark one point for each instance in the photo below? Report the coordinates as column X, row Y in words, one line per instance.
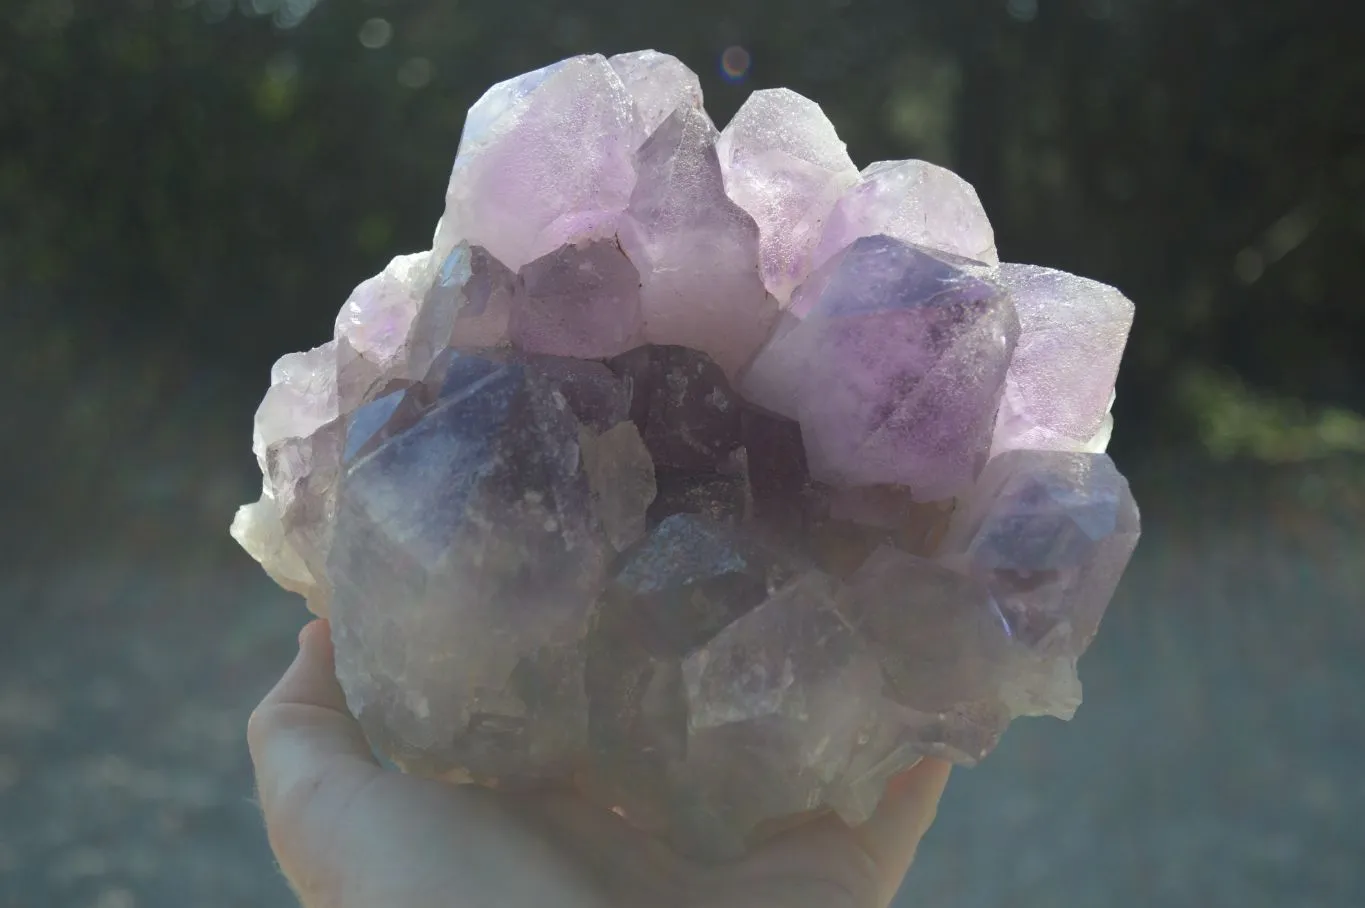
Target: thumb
column 310, row 758
column 892, row 836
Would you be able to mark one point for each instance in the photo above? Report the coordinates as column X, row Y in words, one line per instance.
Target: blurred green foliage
column 219, row 173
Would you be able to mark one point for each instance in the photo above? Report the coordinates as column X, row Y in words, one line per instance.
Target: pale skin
column 351, row 834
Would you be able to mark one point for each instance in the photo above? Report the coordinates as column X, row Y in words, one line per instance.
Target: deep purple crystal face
column 697, row 468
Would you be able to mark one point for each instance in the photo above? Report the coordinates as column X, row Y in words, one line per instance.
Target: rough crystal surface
column 893, row 361
column 545, row 159
column 578, row 301
column 659, row 85
column 913, row 201
column 1060, row 383
column 1049, row 533
column 786, row 166
column 696, row 249
column 695, row 469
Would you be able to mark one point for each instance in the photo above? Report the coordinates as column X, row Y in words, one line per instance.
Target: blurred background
column 190, row 188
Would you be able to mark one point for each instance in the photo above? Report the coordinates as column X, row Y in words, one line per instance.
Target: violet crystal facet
column 695, row 468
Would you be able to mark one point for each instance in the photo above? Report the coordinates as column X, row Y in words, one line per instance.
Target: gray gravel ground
column 1216, row 761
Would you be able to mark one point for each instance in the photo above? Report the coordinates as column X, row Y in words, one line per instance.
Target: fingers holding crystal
column 310, row 756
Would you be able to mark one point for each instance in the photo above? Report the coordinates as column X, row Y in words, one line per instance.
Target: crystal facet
column 786, row 166
column 697, row 470
column 915, row 202
column 659, row 85
column 545, row 159
column 1049, row 533
column 695, row 248
column 1060, row 384
column 893, row 362
column 579, row 301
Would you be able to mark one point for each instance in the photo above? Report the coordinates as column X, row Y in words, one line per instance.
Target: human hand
column 351, row 834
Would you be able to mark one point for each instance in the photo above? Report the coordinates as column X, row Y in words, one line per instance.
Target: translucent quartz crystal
column 915, row 202
column 468, row 304
column 696, row 470
column 786, row 166
column 939, row 636
column 893, row 360
column 621, row 477
column 683, row 406
column 544, row 159
column 659, row 85
column 781, row 699
column 695, row 248
column 296, row 440
column 1049, row 533
column 1060, row 383
column 302, row 399
column 466, row 551
column 579, row 301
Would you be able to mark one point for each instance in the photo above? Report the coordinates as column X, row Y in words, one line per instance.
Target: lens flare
column 734, row 63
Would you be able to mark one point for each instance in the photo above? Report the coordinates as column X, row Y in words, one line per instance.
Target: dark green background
column 193, row 174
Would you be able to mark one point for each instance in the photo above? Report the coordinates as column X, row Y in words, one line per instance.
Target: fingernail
column 304, row 631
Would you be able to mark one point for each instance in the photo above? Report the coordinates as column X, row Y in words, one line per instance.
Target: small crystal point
column 373, row 327
column 259, row 529
column 692, row 576
column 659, row 85
column 621, row 477
column 777, row 704
column 940, row 638
column 468, row 305
column 581, row 301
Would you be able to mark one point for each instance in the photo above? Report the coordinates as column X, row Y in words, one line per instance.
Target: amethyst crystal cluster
column 698, row 467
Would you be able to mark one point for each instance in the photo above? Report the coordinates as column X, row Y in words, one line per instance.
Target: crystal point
column 659, row 85
column 894, row 365
column 696, row 249
column 476, row 515
column 544, row 160
column 1049, row 533
column 786, row 166
column 580, row 301
column 913, row 201
column 1060, row 384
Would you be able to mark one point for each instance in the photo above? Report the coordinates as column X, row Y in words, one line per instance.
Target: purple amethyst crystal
column 893, row 361
column 695, row 468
